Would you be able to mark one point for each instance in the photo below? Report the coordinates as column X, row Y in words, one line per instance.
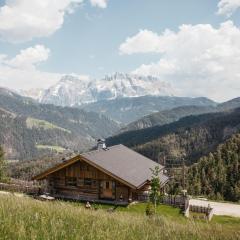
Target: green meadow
column 26, row 218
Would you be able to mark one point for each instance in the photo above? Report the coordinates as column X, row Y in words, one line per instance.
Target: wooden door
column 107, row 189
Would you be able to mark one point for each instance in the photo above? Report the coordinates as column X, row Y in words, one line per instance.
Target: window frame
column 71, row 181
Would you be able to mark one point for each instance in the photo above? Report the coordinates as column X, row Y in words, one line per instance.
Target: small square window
column 87, row 181
column 71, row 181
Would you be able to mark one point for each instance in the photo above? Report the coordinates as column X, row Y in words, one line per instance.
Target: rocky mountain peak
column 74, row 90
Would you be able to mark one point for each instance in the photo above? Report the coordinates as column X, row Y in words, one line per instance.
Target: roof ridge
column 100, row 150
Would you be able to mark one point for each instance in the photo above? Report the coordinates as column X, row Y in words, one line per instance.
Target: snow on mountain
column 35, row 93
column 72, row 90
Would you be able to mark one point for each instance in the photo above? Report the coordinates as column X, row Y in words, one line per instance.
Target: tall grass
column 25, row 218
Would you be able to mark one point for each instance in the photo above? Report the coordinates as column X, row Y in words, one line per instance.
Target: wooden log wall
column 80, row 172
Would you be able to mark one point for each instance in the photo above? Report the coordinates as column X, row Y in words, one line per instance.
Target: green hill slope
column 25, row 125
column 24, row 218
column 174, row 114
column 127, row 110
column 167, row 116
column 190, row 137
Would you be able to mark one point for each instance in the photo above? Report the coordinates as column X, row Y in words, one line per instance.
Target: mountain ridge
column 122, row 97
column 73, row 90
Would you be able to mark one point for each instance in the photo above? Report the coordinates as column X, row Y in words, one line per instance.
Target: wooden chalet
column 115, row 174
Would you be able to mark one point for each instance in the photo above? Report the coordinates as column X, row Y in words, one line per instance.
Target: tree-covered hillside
column 190, row 137
column 218, row 174
column 29, row 129
column 129, row 109
column 167, row 116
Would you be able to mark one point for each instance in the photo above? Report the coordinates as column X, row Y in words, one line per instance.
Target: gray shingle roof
column 125, row 163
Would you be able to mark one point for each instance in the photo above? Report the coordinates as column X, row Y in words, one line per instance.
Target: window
column 107, row 185
column 71, row 181
column 80, row 182
column 94, row 183
column 87, row 181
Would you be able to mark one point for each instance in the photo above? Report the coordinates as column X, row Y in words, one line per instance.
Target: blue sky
column 89, row 39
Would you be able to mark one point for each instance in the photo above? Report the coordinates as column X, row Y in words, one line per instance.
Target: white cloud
column 198, row 60
column 20, row 72
column 27, row 58
column 23, row 20
column 146, row 41
column 228, row 7
column 99, row 3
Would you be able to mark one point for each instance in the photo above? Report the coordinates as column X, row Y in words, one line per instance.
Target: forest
column 217, row 174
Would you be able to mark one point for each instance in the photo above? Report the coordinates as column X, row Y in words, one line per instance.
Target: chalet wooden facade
column 108, row 174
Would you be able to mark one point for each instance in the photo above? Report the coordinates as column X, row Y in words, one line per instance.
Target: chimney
column 101, row 144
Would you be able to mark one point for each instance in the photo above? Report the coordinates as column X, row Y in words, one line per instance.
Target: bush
column 150, row 209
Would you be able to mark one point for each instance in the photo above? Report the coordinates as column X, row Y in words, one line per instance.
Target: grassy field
column 25, row 218
column 37, row 123
column 53, row 148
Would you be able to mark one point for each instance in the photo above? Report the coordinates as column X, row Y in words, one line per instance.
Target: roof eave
column 148, row 181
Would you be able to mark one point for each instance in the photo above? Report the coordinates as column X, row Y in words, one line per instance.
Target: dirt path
column 227, row 209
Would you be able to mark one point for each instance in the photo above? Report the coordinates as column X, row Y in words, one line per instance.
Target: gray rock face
column 72, row 90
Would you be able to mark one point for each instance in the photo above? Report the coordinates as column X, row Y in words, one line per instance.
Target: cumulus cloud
column 21, row 72
column 29, row 57
column 228, row 7
column 146, row 41
column 23, row 20
column 199, row 60
column 99, row 3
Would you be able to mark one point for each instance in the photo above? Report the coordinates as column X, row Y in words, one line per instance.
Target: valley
column 119, row 120
column 166, row 129
column 41, row 134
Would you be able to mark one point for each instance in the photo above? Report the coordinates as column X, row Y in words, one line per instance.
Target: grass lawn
column 162, row 210
column 25, row 218
column 37, row 123
column 139, row 208
column 53, row 148
column 226, row 220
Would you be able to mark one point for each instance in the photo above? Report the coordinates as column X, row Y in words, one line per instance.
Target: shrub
column 150, row 209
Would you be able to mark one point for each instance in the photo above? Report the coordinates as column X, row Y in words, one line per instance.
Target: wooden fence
column 180, row 201
column 22, row 188
column 207, row 211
